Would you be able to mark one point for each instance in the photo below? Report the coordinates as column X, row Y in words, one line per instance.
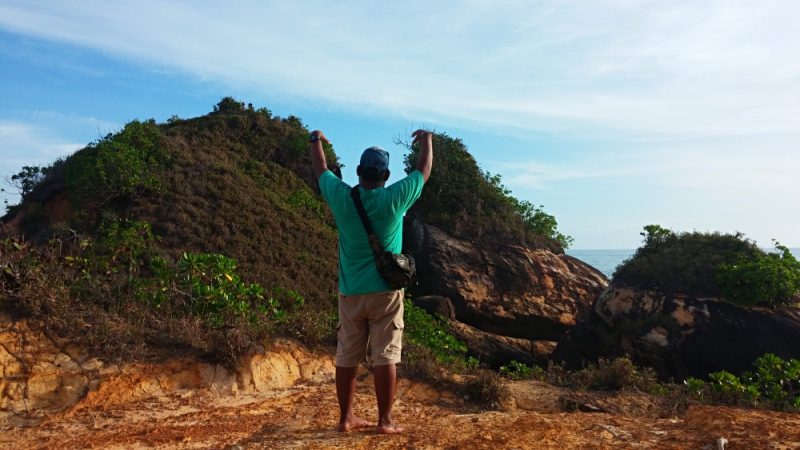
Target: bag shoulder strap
column 362, row 213
column 374, row 242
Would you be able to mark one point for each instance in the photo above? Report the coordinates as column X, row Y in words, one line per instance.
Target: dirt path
column 303, row 418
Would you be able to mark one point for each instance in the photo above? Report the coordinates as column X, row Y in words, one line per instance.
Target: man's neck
column 370, row 185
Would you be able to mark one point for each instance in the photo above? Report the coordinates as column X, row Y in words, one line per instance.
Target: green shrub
column 490, row 210
column 519, row 371
column 683, row 263
column 432, row 332
column 127, row 164
column 774, row 384
column 132, row 306
column 771, row 279
column 229, row 104
column 34, row 184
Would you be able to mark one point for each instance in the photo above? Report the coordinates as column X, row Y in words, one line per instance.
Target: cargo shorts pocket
column 398, row 324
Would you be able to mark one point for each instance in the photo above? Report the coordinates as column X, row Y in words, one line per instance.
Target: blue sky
column 612, row 114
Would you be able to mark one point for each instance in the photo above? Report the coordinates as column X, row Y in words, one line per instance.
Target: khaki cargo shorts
column 376, row 317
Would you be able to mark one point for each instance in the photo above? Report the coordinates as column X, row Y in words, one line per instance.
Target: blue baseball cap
column 375, row 158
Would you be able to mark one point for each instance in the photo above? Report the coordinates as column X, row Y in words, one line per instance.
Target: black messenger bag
column 396, row 269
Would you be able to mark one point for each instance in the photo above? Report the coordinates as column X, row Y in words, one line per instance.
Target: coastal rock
column 500, row 288
column 489, row 348
column 677, row 335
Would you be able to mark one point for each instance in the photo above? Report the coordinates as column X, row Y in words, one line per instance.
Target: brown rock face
column 489, row 348
column 679, row 336
column 503, row 289
column 38, row 372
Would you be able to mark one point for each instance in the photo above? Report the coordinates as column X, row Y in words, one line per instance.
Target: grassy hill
column 207, row 234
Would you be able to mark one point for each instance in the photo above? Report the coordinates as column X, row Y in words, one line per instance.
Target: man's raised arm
column 317, row 155
column 425, row 161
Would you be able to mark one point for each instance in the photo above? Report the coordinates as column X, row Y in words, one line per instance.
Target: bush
column 490, row 212
column 127, row 164
column 229, row 104
column 775, row 384
column 617, row 374
column 133, row 306
column 685, row 263
column 432, row 332
column 34, row 184
column 771, row 279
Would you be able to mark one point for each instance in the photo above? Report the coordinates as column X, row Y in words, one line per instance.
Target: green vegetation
column 771, row 279
column 122, row 165
column 490, row 211
column 616, row 374
column 712, row 265
column 775, row 384
column 432, row 355
column 120, row 295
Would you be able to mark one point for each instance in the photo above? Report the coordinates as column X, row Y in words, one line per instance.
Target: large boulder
column 489, row 348
column 503, row 289
column 679, row 336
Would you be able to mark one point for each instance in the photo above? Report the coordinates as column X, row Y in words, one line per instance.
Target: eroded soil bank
column 51, row 396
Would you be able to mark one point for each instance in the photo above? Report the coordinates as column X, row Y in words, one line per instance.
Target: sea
column 607, row 260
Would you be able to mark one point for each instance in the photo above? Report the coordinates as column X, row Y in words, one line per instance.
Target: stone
column 533, row 396
column 500, row 288
column 492, row 349
column 678, row 335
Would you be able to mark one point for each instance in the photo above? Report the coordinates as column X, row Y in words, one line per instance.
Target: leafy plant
column 431, row 332
column 27, row 179
column 771, row 279
column 303, row 198
column 127, row 164
column 519, row 371
column 683, row 263
column 229, row 104
column 775, row 383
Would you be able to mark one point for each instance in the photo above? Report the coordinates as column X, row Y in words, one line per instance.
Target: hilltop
column 210, row 234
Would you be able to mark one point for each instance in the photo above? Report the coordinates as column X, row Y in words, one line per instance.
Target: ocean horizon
column 607, row 260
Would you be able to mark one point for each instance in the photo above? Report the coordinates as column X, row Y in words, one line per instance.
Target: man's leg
column 385, row 378
column 386, row 337
column 345, row 391
column 352, row 334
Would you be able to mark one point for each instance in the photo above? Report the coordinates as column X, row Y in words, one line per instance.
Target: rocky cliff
column 680, row 336
column 515, row 296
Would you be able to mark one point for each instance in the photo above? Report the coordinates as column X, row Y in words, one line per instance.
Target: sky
column 613, row 114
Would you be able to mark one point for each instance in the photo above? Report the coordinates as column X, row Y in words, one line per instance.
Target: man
column 368, row 309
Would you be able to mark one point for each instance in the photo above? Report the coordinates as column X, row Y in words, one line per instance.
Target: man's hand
column 317, row 155
column 420, row 135
column 425, row 160
column 321, row 136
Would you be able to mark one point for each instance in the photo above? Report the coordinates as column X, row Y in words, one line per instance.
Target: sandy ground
column 303, row 417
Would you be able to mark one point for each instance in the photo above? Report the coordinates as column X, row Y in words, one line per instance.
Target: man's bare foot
column 352, row 423
column 389, row 428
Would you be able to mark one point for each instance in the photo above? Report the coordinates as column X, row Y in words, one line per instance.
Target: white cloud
column 23, row 144
column 667, row 67
column 697, row 101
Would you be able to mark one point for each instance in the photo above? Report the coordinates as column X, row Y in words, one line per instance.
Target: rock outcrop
column 39, row 372
column 503, row 289
column 489, row 348
column 677, row 335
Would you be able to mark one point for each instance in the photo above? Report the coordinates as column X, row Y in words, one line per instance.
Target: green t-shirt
column 385, row 207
